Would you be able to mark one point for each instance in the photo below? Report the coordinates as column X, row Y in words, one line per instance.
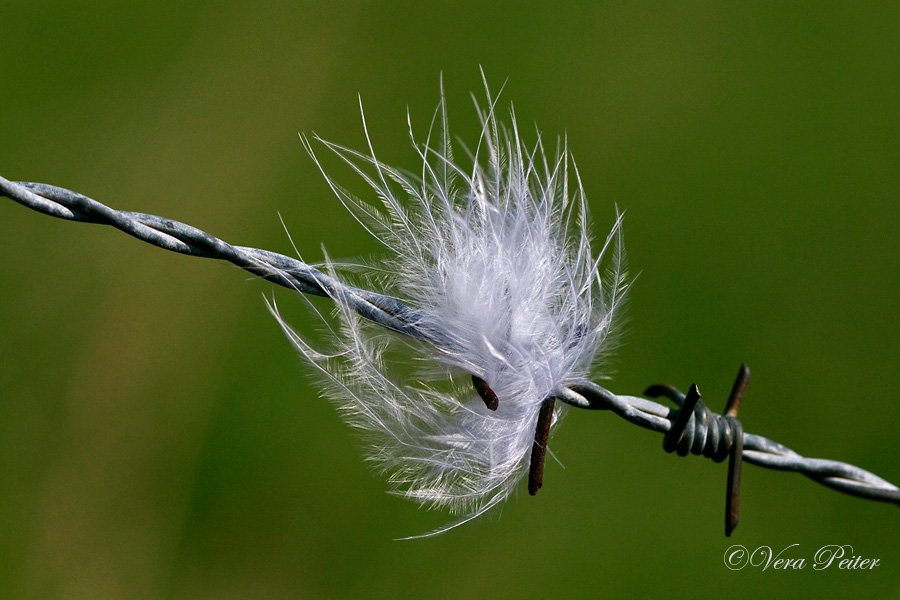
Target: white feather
column 498, row 256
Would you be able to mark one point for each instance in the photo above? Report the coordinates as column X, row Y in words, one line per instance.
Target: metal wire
column 690, row 427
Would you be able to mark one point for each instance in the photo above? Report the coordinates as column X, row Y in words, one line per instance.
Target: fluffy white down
column 498, row 256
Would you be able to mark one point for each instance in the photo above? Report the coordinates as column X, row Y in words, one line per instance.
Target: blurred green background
column 158, row 436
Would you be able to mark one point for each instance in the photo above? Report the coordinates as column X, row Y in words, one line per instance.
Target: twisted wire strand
column 699, row 432
column 175, row 236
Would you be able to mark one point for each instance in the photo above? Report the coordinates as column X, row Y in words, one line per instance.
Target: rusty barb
column 724, row 436
column 690, row 428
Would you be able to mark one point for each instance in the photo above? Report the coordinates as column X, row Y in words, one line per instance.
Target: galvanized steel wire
column 703, row 433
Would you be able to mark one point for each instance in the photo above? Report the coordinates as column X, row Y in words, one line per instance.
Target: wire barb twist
column 713, row 436
column 689, row 428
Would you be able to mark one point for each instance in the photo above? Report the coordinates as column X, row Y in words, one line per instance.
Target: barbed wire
column 689, row 428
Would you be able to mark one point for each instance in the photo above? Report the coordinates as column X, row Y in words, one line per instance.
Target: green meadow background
column 160, row 439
